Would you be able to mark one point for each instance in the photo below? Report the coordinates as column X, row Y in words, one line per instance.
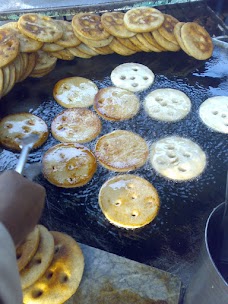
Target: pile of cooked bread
column 31, row 46
column 51, row 266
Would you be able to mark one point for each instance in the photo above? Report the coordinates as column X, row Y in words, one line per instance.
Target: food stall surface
column 172, row 241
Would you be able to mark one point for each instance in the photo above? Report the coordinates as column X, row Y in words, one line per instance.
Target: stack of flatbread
column 51, row 265
column 31, row 46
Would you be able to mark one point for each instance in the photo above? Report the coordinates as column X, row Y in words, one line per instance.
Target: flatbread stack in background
column 31, row 46
column 51, row 266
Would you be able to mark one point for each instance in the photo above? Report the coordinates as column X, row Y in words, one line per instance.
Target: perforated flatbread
column 9, row 46
column 75, row 92
column 167, row 28
column 141, row 38
column 121, row 151
column 177, row 34
column 134, row 77
column 28, row 248
column 44, row 61
column 143, row 19
column 40, row 27
column 129, row 201
column 68, row 38
column 214, row 113
column 120, row 49
column 127, row 42
column 76, row 125
column 88, row 25
column 51, row 47
column 113, row 23
column 78, row 53
column 69, row 165
column 32, row 60
column 14, row 127
column 63, row 276
column 165, row 43
column 116, row 104
column 40, row 261
column 27, row 44
column 12, row 79
column 64, row 54
column 196, row 40
column 177, row 158
column 167, row 105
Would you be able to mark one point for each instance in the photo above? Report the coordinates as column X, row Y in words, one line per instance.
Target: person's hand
column 21, row 204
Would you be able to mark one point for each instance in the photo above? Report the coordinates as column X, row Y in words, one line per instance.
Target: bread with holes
column 14, row 127
column 143, row 19
column 27, row 44
column 62, row 278
column 40, row 261
column 9, row 46
column 177, row 158
column 116, row 104
column 197, row 41
column 26, row 251
column 69, row 165
column 214, row 113
column 121, row 151
column 40, row 27
column 74, row 92
column 167, row 105
column 134, row 77
column 167, row 28
column 113, row 23
column 68, row 38
column 76, row 125
column 88, row 28
column 129, row 201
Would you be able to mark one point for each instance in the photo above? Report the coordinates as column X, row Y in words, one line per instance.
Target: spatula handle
column 22, row 158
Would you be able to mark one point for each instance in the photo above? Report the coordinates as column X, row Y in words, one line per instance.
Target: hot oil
column 173, row 238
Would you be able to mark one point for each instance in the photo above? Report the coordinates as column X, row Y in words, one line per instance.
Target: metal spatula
column 26, row 144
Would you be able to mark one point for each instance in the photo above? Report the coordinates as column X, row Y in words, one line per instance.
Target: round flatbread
column 196, row 40
column 27, row 44
column 177, row 158
column 69, row 165
column 167, row 28
column 214, row 113
column 177, row 34
column 120, row 48
column 44, row 62
column 121, row 151
column 76, row 125
column 116, row 104
column 64, row 54
column 168, row 105
column 134, row 77
column 40, row 261
column 26, row 251
column 143, row 19
column 68, row 38
column 129, row 201
column 63, row 276
column 9, row 46
column 88, row 25
column 40, row 27
column 113, row 23
column 165, row 43
column 15, row 127
column 75, row 92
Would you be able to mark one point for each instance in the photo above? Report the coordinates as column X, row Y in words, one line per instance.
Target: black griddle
column 172, row 241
